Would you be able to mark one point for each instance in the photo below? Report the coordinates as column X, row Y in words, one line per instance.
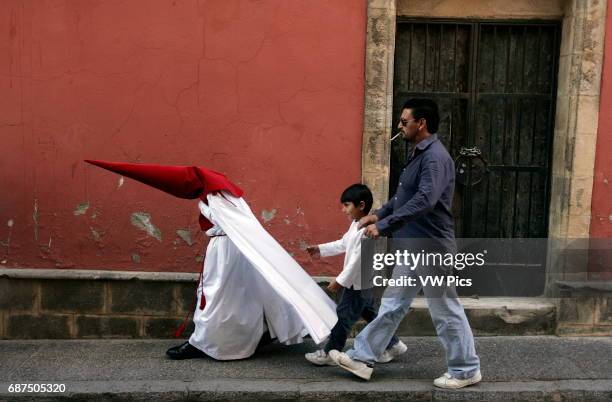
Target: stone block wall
column 42, row 308
column 587, row 309
column 61, row 304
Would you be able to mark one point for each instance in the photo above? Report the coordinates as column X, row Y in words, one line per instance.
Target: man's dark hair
column 357, row 193
column 424, row 109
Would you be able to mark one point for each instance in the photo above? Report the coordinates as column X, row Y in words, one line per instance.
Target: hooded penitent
column 280, row 275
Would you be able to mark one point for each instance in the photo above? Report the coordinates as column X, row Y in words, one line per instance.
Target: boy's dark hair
column 424, row 109
column 357, row 193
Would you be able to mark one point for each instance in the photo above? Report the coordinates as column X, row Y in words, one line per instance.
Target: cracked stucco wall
column 268, row 92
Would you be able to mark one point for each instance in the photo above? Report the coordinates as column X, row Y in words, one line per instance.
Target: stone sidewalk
column 539, row 368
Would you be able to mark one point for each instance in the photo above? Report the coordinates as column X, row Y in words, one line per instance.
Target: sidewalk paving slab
column 531, row 368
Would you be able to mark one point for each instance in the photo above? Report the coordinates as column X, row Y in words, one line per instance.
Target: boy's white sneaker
column 394, row 351
column 320, row 358
column 358, row 368
column 449, row 382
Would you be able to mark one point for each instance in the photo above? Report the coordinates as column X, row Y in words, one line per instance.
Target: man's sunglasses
column 405, row 122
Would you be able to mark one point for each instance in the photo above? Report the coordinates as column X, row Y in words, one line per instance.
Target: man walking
column 420, row 209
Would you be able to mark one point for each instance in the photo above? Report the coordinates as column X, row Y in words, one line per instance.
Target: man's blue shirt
column 421, row 207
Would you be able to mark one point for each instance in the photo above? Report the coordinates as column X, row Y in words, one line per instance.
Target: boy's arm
column 332, row 248
column 353, row 262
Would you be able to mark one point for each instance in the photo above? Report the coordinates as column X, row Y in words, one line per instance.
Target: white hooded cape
column 247, row 275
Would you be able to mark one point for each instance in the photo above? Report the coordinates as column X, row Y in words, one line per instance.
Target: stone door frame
column 577, row 106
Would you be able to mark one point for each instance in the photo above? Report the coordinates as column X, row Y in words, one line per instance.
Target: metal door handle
column 472, row 153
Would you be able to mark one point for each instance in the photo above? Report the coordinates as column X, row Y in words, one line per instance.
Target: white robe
column 247, row 276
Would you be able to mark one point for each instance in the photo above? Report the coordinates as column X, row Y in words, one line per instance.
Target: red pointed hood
column 180, row 181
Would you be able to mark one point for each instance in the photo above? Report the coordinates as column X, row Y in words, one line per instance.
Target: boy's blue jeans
column 353, row 304
column 448, row 317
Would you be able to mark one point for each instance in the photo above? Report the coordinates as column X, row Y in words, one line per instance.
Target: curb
column 343, row 390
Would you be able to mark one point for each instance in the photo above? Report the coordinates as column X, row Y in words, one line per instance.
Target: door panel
column 495, row 84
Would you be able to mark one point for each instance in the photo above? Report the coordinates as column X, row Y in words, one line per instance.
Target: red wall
column 269, row 92
column 601, row 209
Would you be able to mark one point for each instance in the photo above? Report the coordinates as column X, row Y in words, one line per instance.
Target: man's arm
column 385, row 210
column 432, row 183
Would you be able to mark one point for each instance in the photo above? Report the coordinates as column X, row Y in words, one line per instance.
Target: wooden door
column 495, row 84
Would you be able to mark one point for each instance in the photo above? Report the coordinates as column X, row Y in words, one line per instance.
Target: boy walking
column 355, row 301
column 420, row 209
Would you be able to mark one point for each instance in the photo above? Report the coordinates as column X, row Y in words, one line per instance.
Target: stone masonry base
column 71, row 304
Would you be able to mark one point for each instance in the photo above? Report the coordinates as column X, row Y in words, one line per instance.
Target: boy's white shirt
column 350, row 244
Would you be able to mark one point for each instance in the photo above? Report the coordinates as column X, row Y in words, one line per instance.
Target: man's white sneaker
column 394, row 351
column 320, row 358
column 449, row 382
column 358, row 368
